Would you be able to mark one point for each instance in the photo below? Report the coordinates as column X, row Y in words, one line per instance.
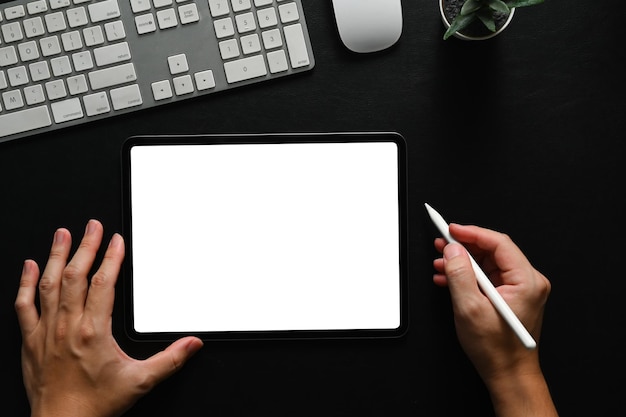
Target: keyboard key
column 34, row 95
column 277, row 61
column 272, row 39
column 161, row 3
column 115, row 31
column 14, row 12
column 288, row 12
column 245, row 69
column 224, row 28
column 24, row 120
column 93, row 36
column 77, row 17
column 240, row 5
column 112, row 76
column 55, row 90
column 204, row 80
column 28, row 51
column 219, row 7
column 139, row 6
column 12, row 32
column 267, row 17
column 60, row 66
column 34, row 27
column 12, row 99
column 183, row 85
column 167, row 19
column 17, row 76
column 177, row 64
column 229, row 49
column 245, row 22
column 104, row 10
column 298, row 53
column 188, row 13
column 58, row 4
column 50, row 46
column 39, row 71
column 82, row 61
column 71, row 41
column 55, row 22
column 66, row 110
column 145, row 23
column 38, row 6
column 8, row 56
column 125, row 97
column 161, row 90
column 250, row 44
column 97, row 103
column 112, row 54
column 77, row 84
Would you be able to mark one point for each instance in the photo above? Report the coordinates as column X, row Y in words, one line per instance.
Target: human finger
column 50, row 282
column 101, row 294
column 439, row 277
column 461, row 278
column 74, row 281
column 27, row 314
column 440, row 243
column 167, row 362
column 504, row 251
column 439, row 266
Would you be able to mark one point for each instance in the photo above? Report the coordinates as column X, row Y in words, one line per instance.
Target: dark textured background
column 523, row 133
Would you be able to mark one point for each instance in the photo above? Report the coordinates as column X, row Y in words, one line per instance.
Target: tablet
column 265, row 236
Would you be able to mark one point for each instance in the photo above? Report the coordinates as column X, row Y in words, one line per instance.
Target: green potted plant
column 478, row 19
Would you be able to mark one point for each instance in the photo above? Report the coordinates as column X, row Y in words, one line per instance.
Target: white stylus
column 486, row 286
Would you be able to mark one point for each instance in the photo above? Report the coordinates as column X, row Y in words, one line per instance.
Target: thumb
column 170, row 360
column 458, row 269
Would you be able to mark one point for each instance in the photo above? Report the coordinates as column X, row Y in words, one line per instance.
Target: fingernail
column 193, row 346
column 28, row 264
column 59, row 236
column 115, row 241
column 452, row 251
column 91, row 226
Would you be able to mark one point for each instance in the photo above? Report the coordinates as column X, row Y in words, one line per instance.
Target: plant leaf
column 486, row 17
column 470, row 6
column 498, row 6
column 522, row 3
column 459, row 23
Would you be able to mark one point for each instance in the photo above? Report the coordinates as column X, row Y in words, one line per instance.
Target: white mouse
column 368, row 25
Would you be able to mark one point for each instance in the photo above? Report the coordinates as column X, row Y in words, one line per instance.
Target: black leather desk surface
column 523, row 133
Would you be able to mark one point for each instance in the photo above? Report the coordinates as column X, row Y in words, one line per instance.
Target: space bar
column 24, row 120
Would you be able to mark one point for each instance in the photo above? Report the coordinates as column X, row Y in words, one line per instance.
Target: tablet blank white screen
column 261, row 237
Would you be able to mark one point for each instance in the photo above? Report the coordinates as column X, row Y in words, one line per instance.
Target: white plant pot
column 474, row 38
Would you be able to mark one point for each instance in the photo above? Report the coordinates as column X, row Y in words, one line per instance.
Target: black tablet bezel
column 266, row 138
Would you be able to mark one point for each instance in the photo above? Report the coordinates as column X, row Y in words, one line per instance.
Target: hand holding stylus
column 485, row 284
column 510, row 370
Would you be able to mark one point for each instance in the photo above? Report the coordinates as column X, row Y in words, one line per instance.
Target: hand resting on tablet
column 72, row 365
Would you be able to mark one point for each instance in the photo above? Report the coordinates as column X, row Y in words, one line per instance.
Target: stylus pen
column 486, row 286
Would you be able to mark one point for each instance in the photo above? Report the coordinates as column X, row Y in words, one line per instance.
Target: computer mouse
column 368, row 25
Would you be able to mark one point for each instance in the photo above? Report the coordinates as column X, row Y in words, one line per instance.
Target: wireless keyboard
column 67, row 62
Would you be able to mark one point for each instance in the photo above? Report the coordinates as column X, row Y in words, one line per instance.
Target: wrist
column 521, row 393
column 68, row 407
